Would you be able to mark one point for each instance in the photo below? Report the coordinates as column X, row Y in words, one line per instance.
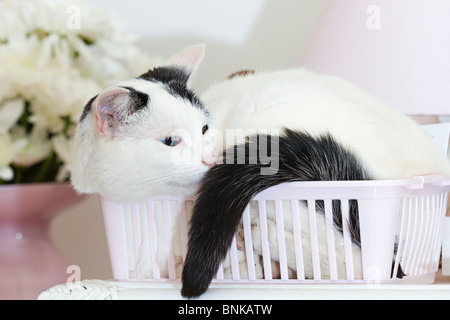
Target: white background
column 240, row 34
column 262, row 34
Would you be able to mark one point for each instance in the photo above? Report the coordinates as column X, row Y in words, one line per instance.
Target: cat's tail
column 262, row 162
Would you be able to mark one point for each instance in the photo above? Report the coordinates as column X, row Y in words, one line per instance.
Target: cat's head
column 143, row 136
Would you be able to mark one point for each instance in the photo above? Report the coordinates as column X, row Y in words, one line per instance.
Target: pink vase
column 29, row 262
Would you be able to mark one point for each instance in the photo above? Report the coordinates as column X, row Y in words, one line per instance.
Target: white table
column 115, row 290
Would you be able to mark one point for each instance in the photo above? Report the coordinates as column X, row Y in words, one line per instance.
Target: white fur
column 389, row 144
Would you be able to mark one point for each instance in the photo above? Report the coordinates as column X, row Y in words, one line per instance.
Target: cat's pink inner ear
column 189, row 57
column 107, row 108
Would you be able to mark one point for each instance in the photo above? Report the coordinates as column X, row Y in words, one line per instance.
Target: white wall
column 239, row 34
column 259, row 34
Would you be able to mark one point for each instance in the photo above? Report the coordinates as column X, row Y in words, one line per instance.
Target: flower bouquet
column 55, row 55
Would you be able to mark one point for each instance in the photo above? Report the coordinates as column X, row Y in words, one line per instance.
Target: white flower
column 10, row 112
column 55, row 56
column 56, row 96
column 36, row 149
column 8, row 151
column 6, row 173
column 64, row 149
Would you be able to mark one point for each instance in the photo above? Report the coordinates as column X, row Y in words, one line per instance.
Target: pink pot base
column 29, row 262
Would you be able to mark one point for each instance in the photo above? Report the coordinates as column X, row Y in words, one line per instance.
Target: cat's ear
column 189, row 58
column 109, row 109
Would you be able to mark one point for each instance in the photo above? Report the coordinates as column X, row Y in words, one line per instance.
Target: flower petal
column 7, row 173
column 10, row 112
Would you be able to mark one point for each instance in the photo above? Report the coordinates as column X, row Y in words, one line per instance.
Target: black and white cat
column 145, row 136
column 152, row 135
column 329, row 130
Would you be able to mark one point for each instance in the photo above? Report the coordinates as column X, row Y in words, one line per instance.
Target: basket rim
column 351, row 189
column 417, row 182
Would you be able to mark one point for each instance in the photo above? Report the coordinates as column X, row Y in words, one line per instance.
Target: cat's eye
column 171, row 141
column 205, row 128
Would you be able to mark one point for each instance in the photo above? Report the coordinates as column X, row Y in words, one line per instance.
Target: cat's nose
column 210, row 161
column 209, row 164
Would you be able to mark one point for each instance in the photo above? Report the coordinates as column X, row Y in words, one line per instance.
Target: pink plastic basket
column 283, row 238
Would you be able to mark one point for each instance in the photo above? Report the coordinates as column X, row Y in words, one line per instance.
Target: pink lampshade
column 399, row 50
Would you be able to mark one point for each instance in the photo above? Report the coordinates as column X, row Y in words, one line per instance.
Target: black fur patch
column 228, row 188
column 139, row 100
column 166, row 74
column 175, row 81
column 87, row 108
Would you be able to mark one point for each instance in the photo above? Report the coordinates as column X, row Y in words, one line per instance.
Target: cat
column 146, row 136
column 152, row 135
column 137, row 138
column 329, row 129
